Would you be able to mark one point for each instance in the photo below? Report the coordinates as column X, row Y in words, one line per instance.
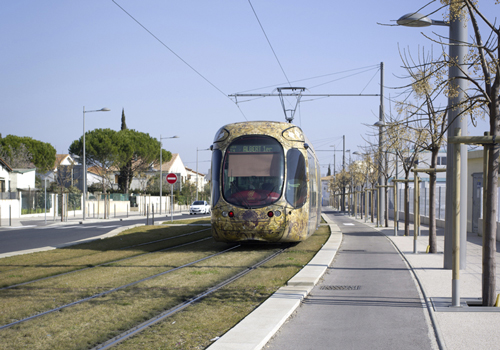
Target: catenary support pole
column 455, row 294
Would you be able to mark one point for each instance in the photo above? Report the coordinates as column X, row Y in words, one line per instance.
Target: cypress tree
column 124, row 124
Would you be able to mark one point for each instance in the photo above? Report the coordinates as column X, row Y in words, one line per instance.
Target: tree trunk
column 386, row 202
column 489, row 241
column 373, row 206
column 432, row 205
column 432, row 213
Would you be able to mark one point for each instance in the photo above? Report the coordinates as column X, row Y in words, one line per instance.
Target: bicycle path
column 366, row 300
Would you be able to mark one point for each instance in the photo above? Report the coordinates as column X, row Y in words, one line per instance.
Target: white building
column 325, row 189
column 5, row 171
column 22, row 179
column 175, row 166
column 195, row 177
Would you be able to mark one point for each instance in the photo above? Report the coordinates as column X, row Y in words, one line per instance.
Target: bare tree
column 485, row 92
column 428, row 83
column 481, row 96
column 406, row 143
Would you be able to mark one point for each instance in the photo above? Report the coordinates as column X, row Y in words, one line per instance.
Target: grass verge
column 200, row 221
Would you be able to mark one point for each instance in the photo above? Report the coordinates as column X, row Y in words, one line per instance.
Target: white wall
column 22, row 179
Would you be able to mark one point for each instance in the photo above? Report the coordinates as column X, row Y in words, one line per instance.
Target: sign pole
column 171, row 179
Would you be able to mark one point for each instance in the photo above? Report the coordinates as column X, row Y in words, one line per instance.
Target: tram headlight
column 277, row 213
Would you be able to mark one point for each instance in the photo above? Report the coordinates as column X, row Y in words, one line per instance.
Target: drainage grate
column 340, row 287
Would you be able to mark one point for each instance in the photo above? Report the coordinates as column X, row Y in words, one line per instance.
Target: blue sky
column 58, row 56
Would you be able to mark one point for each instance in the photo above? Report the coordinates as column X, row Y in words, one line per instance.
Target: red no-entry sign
column 171, row 178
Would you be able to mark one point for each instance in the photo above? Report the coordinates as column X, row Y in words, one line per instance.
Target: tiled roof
column 60, row 158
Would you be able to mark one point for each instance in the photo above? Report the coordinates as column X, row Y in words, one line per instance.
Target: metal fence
column 34, row 202
column 116, row 197
column 9, row 195
column 424, row 201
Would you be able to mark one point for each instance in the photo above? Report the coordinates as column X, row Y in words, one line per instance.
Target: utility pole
column 381, row 147
column 343, row 168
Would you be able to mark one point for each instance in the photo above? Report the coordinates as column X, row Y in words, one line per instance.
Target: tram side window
column 296, row 185
column 216, row 161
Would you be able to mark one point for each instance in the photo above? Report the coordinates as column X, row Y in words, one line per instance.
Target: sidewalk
column 468, row 327
column 459, row 328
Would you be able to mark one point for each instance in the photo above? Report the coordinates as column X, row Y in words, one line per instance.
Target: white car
column 199, row 207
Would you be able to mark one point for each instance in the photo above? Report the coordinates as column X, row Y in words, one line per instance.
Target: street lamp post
column 84, row 160
column 161, row 163
column 457, row 52
column 380, row 145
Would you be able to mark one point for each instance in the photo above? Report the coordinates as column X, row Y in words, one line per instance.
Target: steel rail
column 139, row 328
column 113, row 261
column 119, row 288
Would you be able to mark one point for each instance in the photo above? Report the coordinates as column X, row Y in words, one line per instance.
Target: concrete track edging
column 255, row 330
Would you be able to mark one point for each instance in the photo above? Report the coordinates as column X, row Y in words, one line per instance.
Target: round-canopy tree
column 41, row 154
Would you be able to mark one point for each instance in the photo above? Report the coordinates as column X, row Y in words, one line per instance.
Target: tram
column 265, row 183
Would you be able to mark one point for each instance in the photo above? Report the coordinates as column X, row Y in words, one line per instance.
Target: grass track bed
column 23, row 268
column 88, row 324
column 194, row 327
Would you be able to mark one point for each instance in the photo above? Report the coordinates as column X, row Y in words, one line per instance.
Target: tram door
column 477, row 186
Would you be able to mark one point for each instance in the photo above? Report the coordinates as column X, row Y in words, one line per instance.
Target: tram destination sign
column 171, row 178
column 254, row 148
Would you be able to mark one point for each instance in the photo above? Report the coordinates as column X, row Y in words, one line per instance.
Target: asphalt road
column 367, row 300
column 34, row 234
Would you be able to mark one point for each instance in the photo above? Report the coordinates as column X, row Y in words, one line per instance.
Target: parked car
column 199, row 207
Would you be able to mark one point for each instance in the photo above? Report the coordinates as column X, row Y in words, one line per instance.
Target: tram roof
column 282, row 131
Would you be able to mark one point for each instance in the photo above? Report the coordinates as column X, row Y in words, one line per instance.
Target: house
column 94, row 177
column 22, row 179
column 175, row 166
column 325, row 189
column 194, row 177
column 65, row 165
column 5, row 185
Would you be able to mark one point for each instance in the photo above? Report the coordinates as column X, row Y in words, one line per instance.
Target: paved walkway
column 366, row 300
column 446, row 328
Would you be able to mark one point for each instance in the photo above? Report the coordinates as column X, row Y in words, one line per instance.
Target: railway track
column 122, row 286
column 162, row 316
column 113, row 261
column 188, row 274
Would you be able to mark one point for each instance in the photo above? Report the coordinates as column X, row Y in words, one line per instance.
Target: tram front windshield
column 253, row 171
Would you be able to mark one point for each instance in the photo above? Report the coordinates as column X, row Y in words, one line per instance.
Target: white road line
column 348, row 224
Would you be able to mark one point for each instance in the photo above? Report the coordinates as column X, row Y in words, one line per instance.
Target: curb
column 255, row 330
column 112, row 233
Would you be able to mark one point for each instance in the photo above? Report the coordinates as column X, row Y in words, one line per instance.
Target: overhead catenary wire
column 176, row 55
column 269, row 42
column 365, row 69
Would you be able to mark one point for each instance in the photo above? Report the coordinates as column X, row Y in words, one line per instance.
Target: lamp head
column 414, row 19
